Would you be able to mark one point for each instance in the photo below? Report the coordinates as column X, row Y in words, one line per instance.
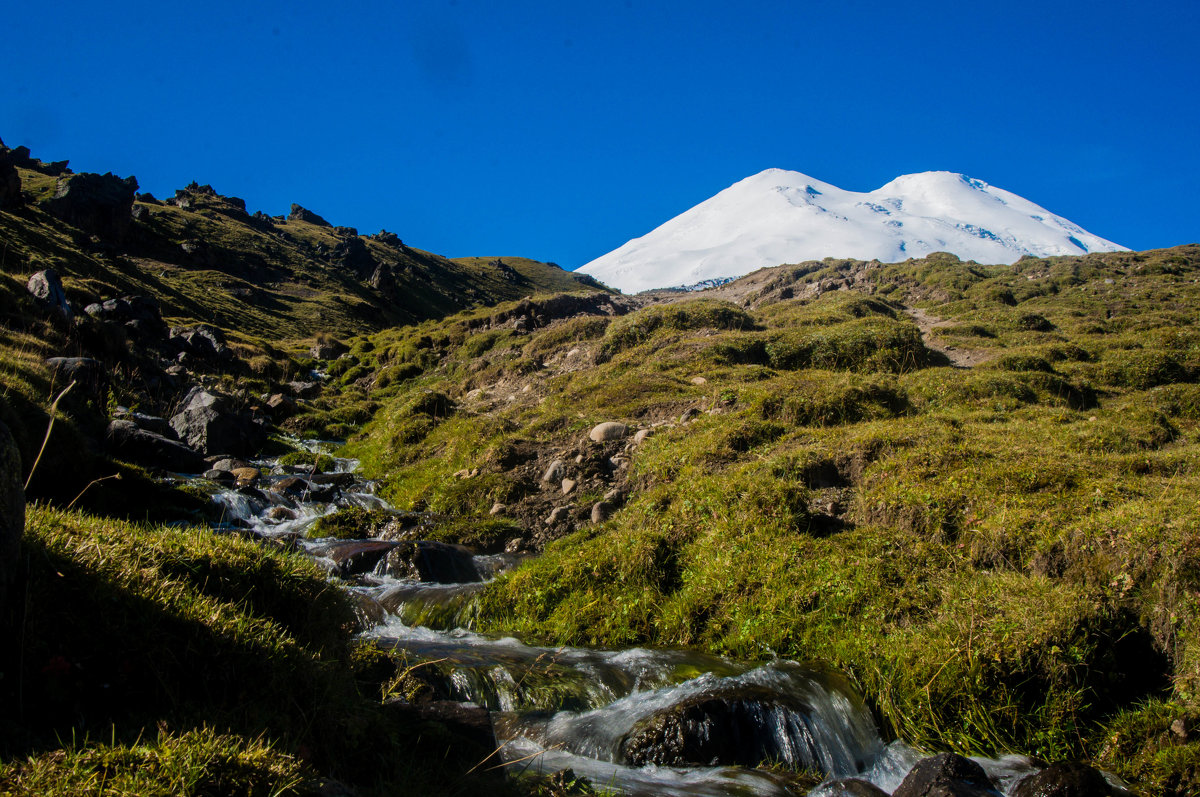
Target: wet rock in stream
column 946, row 775
column 724, row 730
column 439, row 562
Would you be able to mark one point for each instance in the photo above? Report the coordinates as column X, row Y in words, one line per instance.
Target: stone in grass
column 609, row 430
column 555, row 473
column 602, row 511
column 558, row 515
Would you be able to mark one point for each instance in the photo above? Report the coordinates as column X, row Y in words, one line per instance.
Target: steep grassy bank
column 148, row 660
column 1004, row 557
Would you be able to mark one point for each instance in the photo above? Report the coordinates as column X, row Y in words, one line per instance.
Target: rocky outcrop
column 946, row 775
column 10, row 180
column 47, row 288
column 299, row 213
column 12, row 513
column 208, row 423
column 101, row 204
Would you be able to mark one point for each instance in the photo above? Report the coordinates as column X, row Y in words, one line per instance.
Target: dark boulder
column 202, row 342
column 388, row 239
column 725, row 727
column 208, row 423
column 10, row 180
column 88, row 375
column 1065, row 779
column 129, row 442
column 151, row 423
column 101, row 204
column 46, row 286
column 299, row 213
column 437, row 562
column 12, row 514
column 328, row 349
column 280, row 406
column 946, row 775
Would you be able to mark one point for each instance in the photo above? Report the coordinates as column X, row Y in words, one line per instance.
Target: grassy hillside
column 1004, row 554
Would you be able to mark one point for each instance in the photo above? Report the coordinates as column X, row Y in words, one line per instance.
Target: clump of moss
column 318, row 463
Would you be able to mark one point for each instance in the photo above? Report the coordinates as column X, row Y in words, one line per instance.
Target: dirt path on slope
column 959, row 358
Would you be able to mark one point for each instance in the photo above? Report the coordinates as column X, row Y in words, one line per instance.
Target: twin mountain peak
column 779, row 216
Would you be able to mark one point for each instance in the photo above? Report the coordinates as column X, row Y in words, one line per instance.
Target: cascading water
column 635, row 721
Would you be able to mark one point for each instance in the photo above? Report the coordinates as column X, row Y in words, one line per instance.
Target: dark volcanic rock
column 46, row 286
column 1065, row 779
column 946, row 775
column 129, row 442
column 101, row 204
column 207, row 423
column 436, row 562
column 12, row 514
column 299, row 213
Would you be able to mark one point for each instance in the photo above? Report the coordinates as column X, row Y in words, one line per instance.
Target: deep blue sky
column 559, row 130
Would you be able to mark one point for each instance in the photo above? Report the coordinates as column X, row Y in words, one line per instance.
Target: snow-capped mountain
column 778, row 216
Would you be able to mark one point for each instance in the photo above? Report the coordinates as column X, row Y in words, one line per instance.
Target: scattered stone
column 219, row 476
column 247, row 476
column 280, row 406
column 602, row 511
column 46, row 286
column 641, row 436
column 12, row 514
column 946, row 775
column 557, row 515
column 699, row 380
column 497, row 509
column 304, row 389
column 281, row 513
column 1065, row 779
column 689, row 414
column 555, row 473
column 609, row 430
column 568, row 485
column 230, row 464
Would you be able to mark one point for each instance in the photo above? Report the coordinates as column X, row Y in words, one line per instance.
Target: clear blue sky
column 559, row 130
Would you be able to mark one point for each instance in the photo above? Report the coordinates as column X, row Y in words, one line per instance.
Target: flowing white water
column 599, row 712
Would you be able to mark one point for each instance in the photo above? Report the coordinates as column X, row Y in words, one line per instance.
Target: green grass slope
column 1004, row 556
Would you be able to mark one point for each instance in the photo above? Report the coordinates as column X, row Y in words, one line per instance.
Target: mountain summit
column 779, row 216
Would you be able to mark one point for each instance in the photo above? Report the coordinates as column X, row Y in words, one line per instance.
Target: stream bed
column 637, row 721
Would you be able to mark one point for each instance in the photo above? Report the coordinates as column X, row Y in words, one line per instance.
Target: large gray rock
column 208, row 423
column 127, row 441
column 46, row 286
column 101, row 204
column 12, row 513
